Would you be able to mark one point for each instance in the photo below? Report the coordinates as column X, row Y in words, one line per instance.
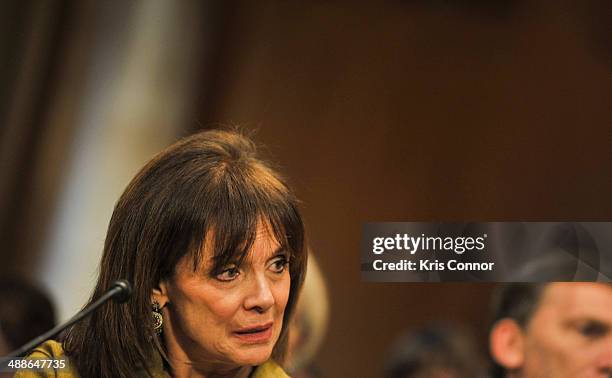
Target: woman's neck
column 188, row 370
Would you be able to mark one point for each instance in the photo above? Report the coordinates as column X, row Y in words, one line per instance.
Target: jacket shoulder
column 49, row 350
column 269, row 369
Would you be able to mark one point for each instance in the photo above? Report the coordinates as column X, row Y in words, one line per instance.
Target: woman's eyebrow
column 280, row 251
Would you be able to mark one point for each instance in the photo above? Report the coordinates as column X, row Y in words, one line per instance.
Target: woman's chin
column 252, row 355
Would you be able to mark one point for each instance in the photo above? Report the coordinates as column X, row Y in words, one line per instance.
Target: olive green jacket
column 53, row 350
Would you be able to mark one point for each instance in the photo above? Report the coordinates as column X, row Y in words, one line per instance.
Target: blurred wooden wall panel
column 416, row 111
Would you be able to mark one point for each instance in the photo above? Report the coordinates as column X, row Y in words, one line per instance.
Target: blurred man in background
column 552, row 330
column 25, row 313
column 435, row 351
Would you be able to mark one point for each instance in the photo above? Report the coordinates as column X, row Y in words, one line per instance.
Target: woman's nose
column 259, row 296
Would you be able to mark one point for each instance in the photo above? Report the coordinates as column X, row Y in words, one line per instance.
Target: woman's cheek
column 282, row 289
column 224, row 303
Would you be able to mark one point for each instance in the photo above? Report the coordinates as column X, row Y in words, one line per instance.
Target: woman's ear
column 507, row 344
column 159, row 294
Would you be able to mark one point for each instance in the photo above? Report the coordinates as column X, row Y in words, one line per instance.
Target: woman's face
column 230, row 319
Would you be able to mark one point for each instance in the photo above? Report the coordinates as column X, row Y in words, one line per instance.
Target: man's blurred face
column 4, row 348
column 570, row 333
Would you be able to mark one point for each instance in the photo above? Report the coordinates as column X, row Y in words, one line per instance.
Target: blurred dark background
column 376, row 111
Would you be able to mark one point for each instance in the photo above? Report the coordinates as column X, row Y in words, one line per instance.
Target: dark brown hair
column 213, row 179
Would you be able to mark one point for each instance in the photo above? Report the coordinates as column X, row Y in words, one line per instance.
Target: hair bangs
column 243, row 199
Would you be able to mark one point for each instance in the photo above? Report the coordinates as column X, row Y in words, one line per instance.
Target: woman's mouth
column 256, row 334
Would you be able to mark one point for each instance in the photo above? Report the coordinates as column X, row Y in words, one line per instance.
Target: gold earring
column 158, row 319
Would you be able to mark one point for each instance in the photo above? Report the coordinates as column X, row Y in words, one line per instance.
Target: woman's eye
column 228, row 274
column 279, row 265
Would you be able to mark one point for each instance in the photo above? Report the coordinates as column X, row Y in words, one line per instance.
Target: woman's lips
column 255, row 335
